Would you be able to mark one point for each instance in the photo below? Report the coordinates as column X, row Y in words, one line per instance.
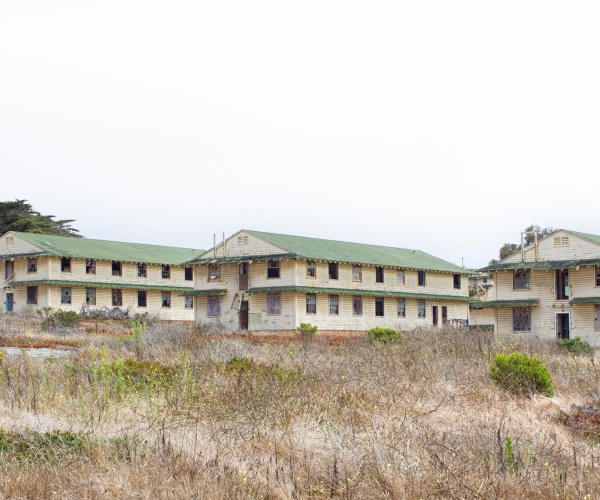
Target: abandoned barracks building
column 550, row 289
column 252, row 280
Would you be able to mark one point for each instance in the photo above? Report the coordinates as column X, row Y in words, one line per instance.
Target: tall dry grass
column 230, row 417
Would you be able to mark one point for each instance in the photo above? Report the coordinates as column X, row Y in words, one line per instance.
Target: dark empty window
column 333, row 270
column 379, row 306
column 597, row 275
column 142, row 298
column 116, row 268
column 117, row 297
column 166, row 299
column 166, row 272
column 188, row 273
column 421, row 278
column 522, row 319
column 562, row 284
column 142, row 270
column 311, row 303
column 65, row 264
column 311, row 269
column 273, row 269
column 90, row 266
column 457, row 281
column 379, row 275
column 90, row 296
column 521, row 279
column 65, row 295
column 32, row 265
column 32, row 294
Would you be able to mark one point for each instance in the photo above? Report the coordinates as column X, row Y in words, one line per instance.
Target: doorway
column 244, row 315
column 562, row 326
column 9, row 302
column 243, row 276
column 434, row 315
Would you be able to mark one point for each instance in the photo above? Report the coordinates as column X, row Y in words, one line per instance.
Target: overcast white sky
column 443, row 126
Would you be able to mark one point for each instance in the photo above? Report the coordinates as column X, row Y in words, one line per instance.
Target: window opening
column 562, row 284
column 142, row 298
column 273, row 303
column 561, row 241
column 357, row 306
column 334, row 304
column 379, row 274
column 522, row 319
column 90, row 296
column 421, row 279
column 116, row 268
column 379, row 306
column 188, row 302
column 242, row 240
column 597, row 317
column 65, row 264
column 32, row 295
column 562, row 326
column 273, row 269
column 65, row 295
column 214, row 272
column 597, row 275
column 117, row 297
column 356, row 273
column 90, row 266
column 32, row 265
column 142, row 270
column 311, row 269
column 521, row 279
column 333, row 270
column 401, row 308
column 9, row 240
column 421, row 308
column 166, row 299
column 444, row 315
column 213, row 305
column 166, row 272
column 311, row 303
column 188, row 273
column 457, row 281
column 401, row 276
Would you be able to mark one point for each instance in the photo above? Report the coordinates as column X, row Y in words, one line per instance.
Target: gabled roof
column 86, row 248
column 594, row 238
column 302, row 247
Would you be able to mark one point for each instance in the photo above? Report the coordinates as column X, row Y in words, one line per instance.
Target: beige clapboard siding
column 19, row 245
column 255, row 246
column 578, row 248
column 482, row 317
column 257, row 275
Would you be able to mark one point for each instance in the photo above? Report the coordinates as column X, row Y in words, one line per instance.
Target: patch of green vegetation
column 247, row 365
column 521, row 374
column 385, row 335
column 30, row 446
column 307, row 329
column 57, row 319
column 576, row 346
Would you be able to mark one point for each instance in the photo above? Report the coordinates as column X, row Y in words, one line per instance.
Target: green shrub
column 385, row 335
column 307, row 329
column 58, row 319
column 521, row 374
column 576, row 346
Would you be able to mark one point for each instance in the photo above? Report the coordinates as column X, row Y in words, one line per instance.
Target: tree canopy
column 19, row 215
column 510, row 248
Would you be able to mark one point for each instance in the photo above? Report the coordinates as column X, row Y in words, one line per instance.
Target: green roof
column 211, row 291
column 98, row 284
column 504, row 303
column 302, row 247
column 350, row 291
column 585, row 300
column 86, row 248
column 592, row 237
column 543, row 264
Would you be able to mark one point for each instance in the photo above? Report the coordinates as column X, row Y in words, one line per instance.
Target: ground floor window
column 142, row 298
column 421, row 308
column 117, row 297
column 401, row 308
column 65, row 295
column 189, row 302
column 379, row 306
column 273, row 303
column 166, row 299
column 357, row 306
column 213, row 306
column 90, row 296
column 311, row 303
column 32, row 295
column 597, row 317
column 334, row 304
column 522, row 319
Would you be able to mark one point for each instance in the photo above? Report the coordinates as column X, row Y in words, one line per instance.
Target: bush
column 58, row 319
column 576, row 346
column 521, row 374
column 385, row 335
column 307, row 329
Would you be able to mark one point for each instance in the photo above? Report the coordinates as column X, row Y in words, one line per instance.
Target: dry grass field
column 173, row 413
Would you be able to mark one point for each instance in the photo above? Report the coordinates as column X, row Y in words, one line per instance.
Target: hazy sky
column 443, row 126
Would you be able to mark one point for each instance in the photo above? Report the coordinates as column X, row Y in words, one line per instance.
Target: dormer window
column 273, row 269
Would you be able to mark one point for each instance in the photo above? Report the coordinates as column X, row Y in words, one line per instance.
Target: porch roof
column 210, row 291
column 504, row 303
column 585, row 300
column 98, row 284
column 541, row 265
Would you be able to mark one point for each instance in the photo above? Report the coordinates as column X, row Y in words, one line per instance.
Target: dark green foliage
column 58, row 319
column 510, row 248
column 35, row 446
column 19, row 215
column 385, row 335
column 307, row 329
column 521, row 374
column 576, row 346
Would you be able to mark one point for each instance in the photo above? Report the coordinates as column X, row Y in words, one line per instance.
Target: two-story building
column 550, row 289
column 264, row 281
column 68, row 273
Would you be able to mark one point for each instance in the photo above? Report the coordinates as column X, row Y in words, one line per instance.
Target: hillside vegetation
column 168, row 412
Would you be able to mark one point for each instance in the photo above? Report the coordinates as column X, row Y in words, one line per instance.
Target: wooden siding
column 578, row 248
column 19, row 245
column 255, row 246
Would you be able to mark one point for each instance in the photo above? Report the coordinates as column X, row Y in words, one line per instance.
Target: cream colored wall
column 578, row 248
column 257, row 276
column 255, row 246
column 482, row 317
column 19, row 245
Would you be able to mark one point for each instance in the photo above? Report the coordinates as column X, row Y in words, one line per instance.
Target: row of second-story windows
column 522, row 280
column 116, row 268
column 274, row 271
column 116, row 295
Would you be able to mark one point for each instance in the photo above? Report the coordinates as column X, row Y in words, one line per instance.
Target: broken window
column 273, row 269
column 166, row 272
column 90, row 296
column 32, row 295
column 188, row 273
column 213, row 305
column 273, row 303
column 357, row 305
column 334, row 304
column 356, row 273
column 32, row 265
column 116, row 268
column 562, row 284
column 311, row 303
column 421, row 278
column 379, row 274
column 214, row 272
column 65, row 265
column 597, row 275
column 333, row 270
column 457, row 281
column 166, row 299
column 597, row 317
column 400, row 276
column 142, row 270
column 117, row 297
column 142, row 298
column 90, row 266
column 311, row 269
column 65, row 295
column 522, row 319
column 379, row 306
column 520, row 279
column 421, row 308
column 401, row 308
column 189, row 302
